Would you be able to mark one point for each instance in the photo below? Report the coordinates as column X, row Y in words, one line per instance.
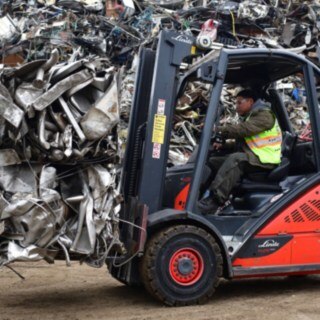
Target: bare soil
column 81, row 292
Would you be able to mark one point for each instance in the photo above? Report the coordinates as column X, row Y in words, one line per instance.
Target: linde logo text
column 269, row 244
column 183, row 38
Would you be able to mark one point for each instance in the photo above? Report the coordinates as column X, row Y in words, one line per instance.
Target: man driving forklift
column 257, row 140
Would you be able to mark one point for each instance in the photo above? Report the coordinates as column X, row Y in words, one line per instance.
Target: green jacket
column 261, row 119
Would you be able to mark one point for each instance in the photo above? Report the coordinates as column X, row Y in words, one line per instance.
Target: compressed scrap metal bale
column 59, row 163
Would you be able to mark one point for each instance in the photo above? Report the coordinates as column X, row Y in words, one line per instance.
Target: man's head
column 244, row 101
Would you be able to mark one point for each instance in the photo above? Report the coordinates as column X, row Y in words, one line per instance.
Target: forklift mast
column 158, row 81
column 157, row 84
column 151, row 118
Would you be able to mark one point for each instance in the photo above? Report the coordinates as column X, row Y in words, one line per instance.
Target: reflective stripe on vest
column 267, row 144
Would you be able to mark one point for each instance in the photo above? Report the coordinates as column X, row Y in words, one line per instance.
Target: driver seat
column 269, row 180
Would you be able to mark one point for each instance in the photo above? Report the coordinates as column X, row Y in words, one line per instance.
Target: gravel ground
column 81, row 292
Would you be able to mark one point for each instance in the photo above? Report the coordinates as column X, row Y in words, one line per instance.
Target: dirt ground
column 80, row 292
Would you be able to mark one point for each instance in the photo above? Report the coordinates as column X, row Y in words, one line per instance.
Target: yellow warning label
column 193, row 50
column 159, row 126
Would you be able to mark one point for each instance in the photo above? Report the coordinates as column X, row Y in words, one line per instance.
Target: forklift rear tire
column 182, row 265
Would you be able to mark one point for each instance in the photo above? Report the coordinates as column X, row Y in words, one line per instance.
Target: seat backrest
column 282, row 170
column 288, row 141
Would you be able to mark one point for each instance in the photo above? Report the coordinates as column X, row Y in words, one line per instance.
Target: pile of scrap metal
column 29, row 29
column 67, row 79
column 59, row 162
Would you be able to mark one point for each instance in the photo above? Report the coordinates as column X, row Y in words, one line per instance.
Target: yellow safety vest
column 267, row 144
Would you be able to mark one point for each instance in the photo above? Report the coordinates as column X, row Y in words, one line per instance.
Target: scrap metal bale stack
column 59, row 161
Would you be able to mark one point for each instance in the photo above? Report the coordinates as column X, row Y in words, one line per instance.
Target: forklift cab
column 266, row 75
column 271, row 226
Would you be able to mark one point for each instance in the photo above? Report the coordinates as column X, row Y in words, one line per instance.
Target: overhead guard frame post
column 218, row 81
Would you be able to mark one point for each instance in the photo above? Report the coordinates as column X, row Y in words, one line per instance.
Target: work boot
column 208, row 205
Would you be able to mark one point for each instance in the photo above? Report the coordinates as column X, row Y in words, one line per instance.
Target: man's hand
column 218, row 141
column 217, row 146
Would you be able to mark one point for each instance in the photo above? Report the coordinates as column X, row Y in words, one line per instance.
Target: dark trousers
column 228, row 171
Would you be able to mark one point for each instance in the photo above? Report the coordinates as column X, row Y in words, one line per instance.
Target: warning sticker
column 161, row 106
column 159, row 126
column 156, row 151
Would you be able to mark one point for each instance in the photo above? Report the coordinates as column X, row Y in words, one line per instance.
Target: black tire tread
column 148, row 262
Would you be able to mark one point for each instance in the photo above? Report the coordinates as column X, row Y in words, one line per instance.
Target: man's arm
column 259, row 121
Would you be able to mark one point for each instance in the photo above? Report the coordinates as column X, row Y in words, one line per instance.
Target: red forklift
column 271, row 226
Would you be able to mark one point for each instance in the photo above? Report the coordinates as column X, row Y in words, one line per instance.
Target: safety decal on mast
column 161, row 106
column 159, row 126
column 156, row 151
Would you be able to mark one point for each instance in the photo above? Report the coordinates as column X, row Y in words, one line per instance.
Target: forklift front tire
column 182, row 265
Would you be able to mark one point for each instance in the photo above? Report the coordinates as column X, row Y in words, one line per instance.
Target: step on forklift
column 271, row 226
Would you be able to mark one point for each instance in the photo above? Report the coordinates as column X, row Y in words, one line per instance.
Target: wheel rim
column 186, row 266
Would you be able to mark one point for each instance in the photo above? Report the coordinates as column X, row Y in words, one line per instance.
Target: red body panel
column 306, row 248
column 301, row 219
column 181, row 198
